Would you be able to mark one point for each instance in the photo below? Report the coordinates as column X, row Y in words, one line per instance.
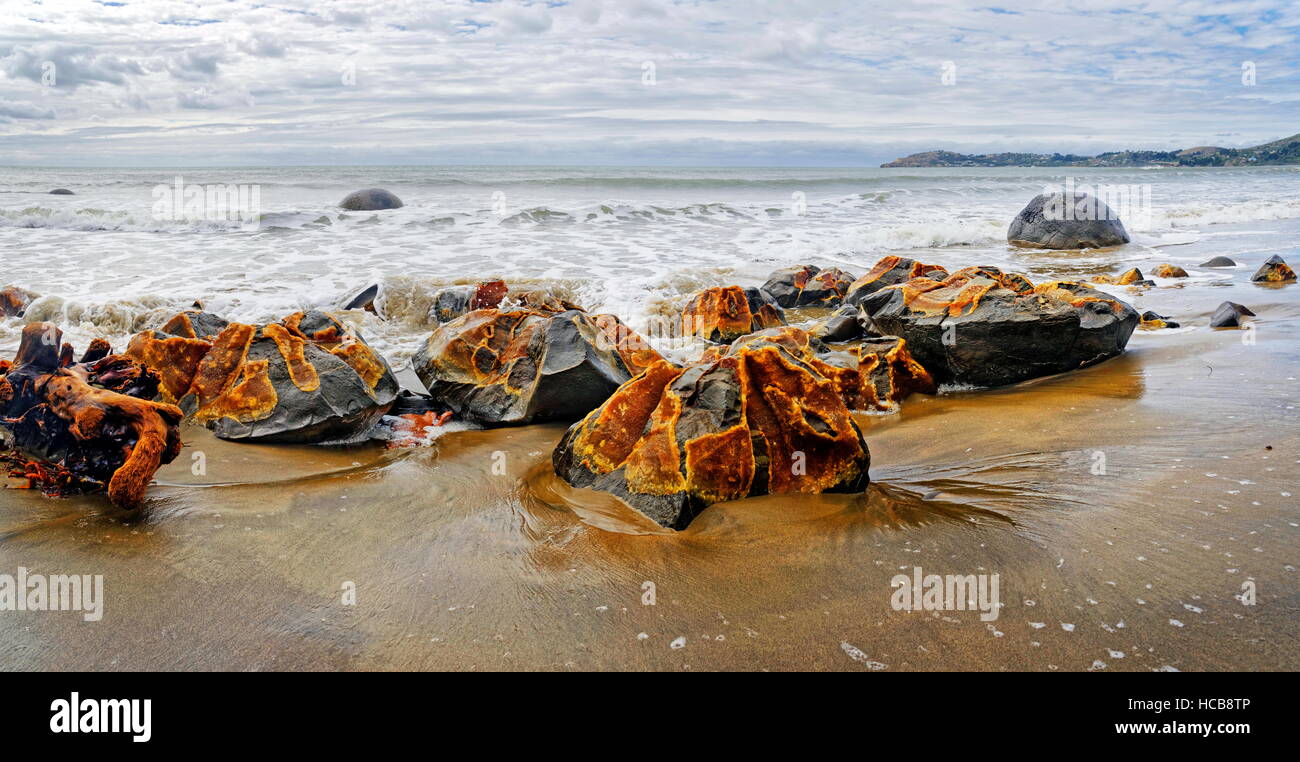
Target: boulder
column 61, row 192
column 14, row 301
column 454, row 301
column 369, row 200
column 757, row 421
column 1131, row 277
column 1228, row 315
column 90, row 424
column 724, row 314
column 1219, row 262
column 1169, row 271
column 841, row 325
column 808, row 286
column 1153, row 321
column 890, row 271
column 1275, row 270
column 1061, row 221
column 984, row 327
column 307, row 379
column 520, row 366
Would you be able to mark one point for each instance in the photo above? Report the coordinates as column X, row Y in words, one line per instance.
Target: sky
column 633, row 82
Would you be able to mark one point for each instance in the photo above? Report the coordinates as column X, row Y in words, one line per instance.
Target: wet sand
column 458, row 567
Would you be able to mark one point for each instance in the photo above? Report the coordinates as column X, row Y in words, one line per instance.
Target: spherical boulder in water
column 1219, row 262
column 1058, row 221
column 371, row 199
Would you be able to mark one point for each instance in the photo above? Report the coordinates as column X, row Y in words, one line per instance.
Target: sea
column 123, row 252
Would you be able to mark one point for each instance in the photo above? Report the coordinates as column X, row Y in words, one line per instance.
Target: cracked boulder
column 307, row 379
column 758, row 421
column 983, row 327
column 890, row 271
column 1275, row 270
column 808, row 286
column 518, row 366
column 724, row 314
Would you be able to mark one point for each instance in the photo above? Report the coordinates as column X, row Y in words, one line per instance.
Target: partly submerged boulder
column 306, row 379
column 1229, row 314
column 755, row 422
column 61, row 192
column 808, row 286
column 1275, row 270
column 724, row 314
column 1067, row 221
column 890, row 271
column 520, row 366
column 369, row 200
column 984, row 327
column 91, row 424
column 1219, row 262
column 1130, row 277
column 1169, row 271
column 1153, row 321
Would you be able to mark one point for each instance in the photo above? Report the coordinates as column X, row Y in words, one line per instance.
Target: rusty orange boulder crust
column 808, row 286
column 875, row 374
column 1275, row 270
column 306, row 379
column 759, row 420
column 983, row 327
column 890, row 271
column 724, row 314
column 92, row 424
column 501, row 367
column 1169, row 271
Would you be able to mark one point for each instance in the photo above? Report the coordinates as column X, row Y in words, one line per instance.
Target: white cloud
column 750, row 81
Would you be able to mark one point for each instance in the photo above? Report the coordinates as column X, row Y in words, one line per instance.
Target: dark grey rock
column 842, row 325
column 1009, row 336
column 808, row 286
column 1228, row 315
column 369, row 200
column 1219, row 262
column 61, row 192
column 1055, row 221
column 364, row 300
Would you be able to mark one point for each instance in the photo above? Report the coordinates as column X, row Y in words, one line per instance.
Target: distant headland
column 1284, row 151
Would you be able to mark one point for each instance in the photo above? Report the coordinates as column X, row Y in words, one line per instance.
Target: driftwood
column 90, row 425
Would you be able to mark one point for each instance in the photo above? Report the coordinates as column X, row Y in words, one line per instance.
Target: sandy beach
column 458, row 567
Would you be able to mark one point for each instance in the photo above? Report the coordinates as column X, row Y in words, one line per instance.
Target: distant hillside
column 1284, row 151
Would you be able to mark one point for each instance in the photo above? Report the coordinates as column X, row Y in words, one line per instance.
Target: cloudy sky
column 636, row 82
